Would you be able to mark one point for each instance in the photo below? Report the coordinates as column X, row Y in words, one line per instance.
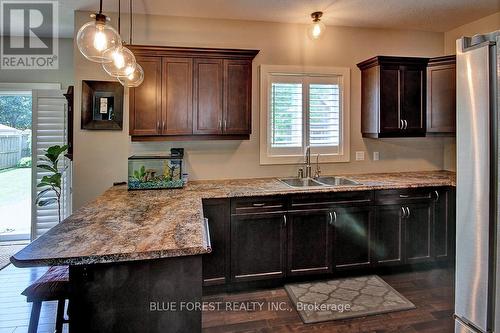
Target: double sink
column 317, row 182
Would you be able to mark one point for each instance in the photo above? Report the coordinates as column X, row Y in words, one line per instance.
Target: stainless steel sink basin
column 335, row 181
column 317, row 182
column 300, row 182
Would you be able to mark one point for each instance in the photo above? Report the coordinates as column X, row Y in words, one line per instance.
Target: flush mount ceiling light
column 317, row 28
column 97, row 36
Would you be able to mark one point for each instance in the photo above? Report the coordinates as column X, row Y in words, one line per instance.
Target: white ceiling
column 428, row 15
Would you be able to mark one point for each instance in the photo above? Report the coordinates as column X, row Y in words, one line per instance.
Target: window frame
column 269, row 155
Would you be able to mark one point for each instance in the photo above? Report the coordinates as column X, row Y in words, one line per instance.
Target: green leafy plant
column 51, row 182
column 140, row 174
column 24, row 162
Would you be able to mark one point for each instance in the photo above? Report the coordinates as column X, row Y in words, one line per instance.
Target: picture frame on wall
column 102, row 105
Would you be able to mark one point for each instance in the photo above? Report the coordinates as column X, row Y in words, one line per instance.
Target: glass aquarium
column 155, row 172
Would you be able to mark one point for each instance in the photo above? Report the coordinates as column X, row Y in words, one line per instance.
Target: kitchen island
column 129, row 251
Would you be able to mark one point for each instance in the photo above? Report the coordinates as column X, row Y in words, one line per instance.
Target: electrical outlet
column 360, row 156
column 376, row 156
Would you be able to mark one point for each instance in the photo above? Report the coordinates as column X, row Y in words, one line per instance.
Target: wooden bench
column 51, row 286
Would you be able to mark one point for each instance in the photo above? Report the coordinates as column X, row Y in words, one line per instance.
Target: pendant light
column 123, row 60
column 317, row 28
column 135, row 78
column 96, row 37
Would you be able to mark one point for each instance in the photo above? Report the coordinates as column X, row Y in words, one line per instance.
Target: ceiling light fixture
column 135, row 78
column 96, row 37
column 317, row 28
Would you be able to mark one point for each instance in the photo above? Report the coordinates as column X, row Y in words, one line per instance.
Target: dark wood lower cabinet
column 419, row 232
column 258, row 246
column 444, row 225
column 352, row 240
column 309, row 242
column 387, row 245
column 275, row 237
column 216, row 264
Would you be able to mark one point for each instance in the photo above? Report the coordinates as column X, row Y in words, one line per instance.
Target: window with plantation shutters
column 301, row 109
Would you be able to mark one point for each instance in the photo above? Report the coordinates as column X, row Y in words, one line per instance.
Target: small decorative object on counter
column 185, row 178
column 155, row 172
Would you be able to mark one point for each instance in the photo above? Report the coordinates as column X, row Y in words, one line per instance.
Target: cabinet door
column 145, row 100
column 441, row 99
column 216, row 263
column 177, row 115
column 237, row 96
column 444, row 225
column 419, row 232
column 309, row 242
column 208, row 91
column 389, row 99
column 387, row 247
column 257, row 246
column 352, row 240
column 412, row 100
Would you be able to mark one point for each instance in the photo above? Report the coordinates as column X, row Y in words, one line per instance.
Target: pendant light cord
column 100, row 7
column 131, row 16
column 119, row 16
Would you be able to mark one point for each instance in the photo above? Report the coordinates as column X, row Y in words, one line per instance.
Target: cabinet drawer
column 257, row 205
column 389, row 197
column 326, row 200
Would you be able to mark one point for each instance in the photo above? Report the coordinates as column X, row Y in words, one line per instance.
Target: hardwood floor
column 431, row 291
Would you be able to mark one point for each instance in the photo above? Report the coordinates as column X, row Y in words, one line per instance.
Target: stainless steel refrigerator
column 477, row 293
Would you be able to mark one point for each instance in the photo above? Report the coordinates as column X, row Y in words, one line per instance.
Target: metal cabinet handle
column 220, row 124
column 334, row 217
column 401, row 125
column 284, row 221
column 260, row 204
column 406, row 124
column 225, row 124
column 404, row 212
column 437, row 196
column 408, row 210
column 158, row 125
column 404, row 196
column 163, row 126
column 331, row 217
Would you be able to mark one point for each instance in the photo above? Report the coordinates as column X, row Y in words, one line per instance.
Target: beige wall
column 486, row 24
column 101, row 157
column 63, row 75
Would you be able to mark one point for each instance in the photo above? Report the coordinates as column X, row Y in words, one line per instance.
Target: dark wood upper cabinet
column 393, row 97
column 177, row 94
column 441, row 95
column 192, row 94
column 237, row 115
column 208, row 92
column 145, row 100
column 310, row 242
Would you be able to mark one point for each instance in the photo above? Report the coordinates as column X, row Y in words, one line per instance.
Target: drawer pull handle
column 404, row 196
column 437, row 196
column 261, row 204
column 284, row 221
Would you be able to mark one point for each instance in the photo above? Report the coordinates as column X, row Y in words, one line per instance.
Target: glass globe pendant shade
column 317, row 28
column 96, row 37
column 122, row 62
column 133, row 80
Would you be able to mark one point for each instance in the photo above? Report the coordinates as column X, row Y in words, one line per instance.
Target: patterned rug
column 345, row 298
column 6, row 251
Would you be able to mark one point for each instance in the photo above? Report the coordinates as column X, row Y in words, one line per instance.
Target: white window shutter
column 49, row 129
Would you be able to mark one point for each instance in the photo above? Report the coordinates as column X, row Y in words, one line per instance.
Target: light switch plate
column 360, row 156
column 376, row 156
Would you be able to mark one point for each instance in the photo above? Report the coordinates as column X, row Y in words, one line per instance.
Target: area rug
column 345, row 298
column 6, row 251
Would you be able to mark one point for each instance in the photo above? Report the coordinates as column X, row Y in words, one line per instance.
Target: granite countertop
column 122, row 225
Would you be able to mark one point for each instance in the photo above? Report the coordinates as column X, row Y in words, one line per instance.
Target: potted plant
column 52, row 182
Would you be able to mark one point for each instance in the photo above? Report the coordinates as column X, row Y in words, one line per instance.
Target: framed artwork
column 102, row 105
